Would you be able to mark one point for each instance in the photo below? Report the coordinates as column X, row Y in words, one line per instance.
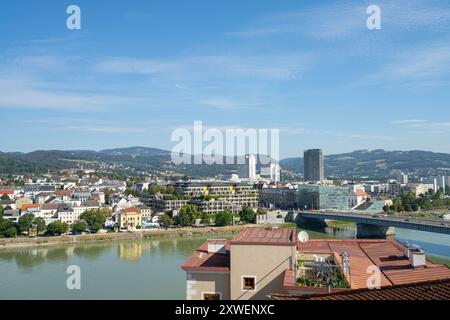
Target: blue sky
column 137, row 70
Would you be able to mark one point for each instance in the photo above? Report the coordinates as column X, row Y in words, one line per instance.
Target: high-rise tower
column 313, row 165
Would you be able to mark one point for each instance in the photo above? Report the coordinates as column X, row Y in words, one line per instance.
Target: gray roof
column 90, row 203
column 11, row 213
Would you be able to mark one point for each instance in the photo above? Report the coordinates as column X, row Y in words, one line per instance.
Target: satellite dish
column 303, row 236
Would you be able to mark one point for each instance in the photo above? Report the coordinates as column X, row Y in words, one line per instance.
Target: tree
column 165, row 220
column 154, row 189
column 247, row 215
column 261, row 211
column 40, row 224
column 106, row 212
column 79, row 227
column 25, row 222
column 9, row 232
column 170, row 189
column 94, row 218
column 187, row 215
column 57, row 228
column 4, row 197
column 224, row 219
column 7, row 228
column 182, row 219
column 205, row 218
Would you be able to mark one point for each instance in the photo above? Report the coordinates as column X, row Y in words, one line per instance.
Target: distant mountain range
column 361, row 163
column 378, row 163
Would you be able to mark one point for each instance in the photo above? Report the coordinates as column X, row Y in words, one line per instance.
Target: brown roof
column 266, row 236
column 49, row 206
column 396, row 267
column 202, row 260
column 388, row 255
column 131, row 210
column 60, row 193
column 429, row 290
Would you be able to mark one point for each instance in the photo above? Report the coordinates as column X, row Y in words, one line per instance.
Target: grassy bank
column 144, row 234
column 336, row 223
column 439, row 260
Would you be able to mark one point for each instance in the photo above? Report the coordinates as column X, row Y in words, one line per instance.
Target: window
column 211, row 296
column 248, row 283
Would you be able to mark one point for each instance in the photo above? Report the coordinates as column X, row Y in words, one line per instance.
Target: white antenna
column 303, row 236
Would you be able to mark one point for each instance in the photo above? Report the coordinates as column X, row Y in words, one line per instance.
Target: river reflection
column 128, row 269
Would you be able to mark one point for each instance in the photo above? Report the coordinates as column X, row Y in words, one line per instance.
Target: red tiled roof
column 26, row 206
column 387, row 255
column 396, row 266
column 6, row 191
column 266, row 236
column 429, row 290
column 60, row 193
column 201, row 259
column 360, row 193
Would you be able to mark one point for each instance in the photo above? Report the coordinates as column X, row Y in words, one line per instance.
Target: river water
column 132, row 269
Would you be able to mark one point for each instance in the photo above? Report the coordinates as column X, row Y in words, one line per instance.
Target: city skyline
column 139, row 71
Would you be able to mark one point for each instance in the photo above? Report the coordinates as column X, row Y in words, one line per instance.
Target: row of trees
column 408, row 202
column 92, row 220
column 29, row 222
column 154, row 189
column 189, row 214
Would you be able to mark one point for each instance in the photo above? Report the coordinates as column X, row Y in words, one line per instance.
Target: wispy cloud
column 27, row 93
column 347, row 18
column 102, row 129
column 426, row 127
column 227, row 104
column 258, row 66
column 407, row 121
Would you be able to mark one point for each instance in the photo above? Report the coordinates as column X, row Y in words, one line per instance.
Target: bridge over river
column 379, row 224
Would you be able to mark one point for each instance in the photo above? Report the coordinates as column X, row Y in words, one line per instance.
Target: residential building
column 23, row 201
column 65, row 213
column 247, row 267
column 209, row 196
column 420, row 188
column 431, row 181
column 357, row 196
column 130, row 219
column 146, row 212
column 12, row 215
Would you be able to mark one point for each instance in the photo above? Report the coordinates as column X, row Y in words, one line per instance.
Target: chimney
column 217, row 245
column 417, row 257
column 407, row 247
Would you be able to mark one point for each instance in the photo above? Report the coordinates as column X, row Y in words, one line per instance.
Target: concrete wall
column 369, row 231
column 266, row 263
column 200, row 282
